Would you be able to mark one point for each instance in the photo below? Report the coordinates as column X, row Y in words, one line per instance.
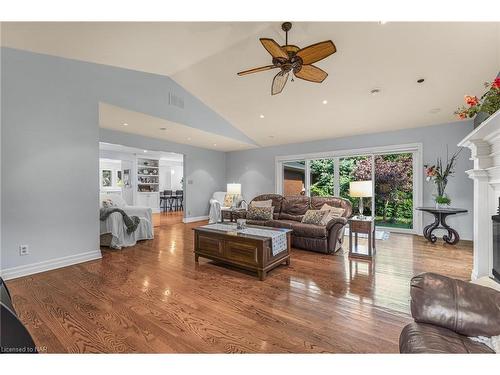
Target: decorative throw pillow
column 260, row 213
column 332, row 212
column 107, row 203
column 314, row 217
column 228, row 200
column 267, row 203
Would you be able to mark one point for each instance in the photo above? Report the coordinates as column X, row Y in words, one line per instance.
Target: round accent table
column 440, row 215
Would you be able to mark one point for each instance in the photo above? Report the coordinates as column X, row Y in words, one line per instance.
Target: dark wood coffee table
column 247, row 251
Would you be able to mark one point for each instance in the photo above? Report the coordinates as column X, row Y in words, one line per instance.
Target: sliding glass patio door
column 394, row 190
column 351, row 169
column 321, row 172
column 294, row 177
column 395, row 186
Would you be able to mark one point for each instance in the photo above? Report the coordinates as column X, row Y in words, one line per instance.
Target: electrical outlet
column 24, row 250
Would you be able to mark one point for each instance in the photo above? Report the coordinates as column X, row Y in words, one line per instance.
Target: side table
column 365, row 225
column 440, row 215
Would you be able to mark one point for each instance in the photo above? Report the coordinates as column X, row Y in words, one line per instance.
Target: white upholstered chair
column 216, row 204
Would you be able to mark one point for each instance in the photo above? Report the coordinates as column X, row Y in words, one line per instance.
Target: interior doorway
column 144, row 178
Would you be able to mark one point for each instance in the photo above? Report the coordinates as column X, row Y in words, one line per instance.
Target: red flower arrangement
column 471, row 100
column 496, row 83
column 489, row 102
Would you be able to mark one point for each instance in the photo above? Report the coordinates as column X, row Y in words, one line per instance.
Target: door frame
column 415, row 148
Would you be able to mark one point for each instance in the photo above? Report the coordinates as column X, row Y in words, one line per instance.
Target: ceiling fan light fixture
column 290, row 58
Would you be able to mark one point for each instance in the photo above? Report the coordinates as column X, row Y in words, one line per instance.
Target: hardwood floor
column 167, row 218
column 154, row 298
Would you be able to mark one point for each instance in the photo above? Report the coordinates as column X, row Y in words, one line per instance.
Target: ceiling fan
column 290, row 58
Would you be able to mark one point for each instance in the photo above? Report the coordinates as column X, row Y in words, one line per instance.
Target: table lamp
column 360, row 189
column 234, row 190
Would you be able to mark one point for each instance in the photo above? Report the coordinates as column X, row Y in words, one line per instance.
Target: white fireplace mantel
column 484, row 143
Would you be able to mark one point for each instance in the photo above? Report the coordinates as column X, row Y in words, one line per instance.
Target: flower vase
column 479, row 118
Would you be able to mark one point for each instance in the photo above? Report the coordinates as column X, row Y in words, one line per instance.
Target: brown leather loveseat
column 447, row 312
column 288, row 213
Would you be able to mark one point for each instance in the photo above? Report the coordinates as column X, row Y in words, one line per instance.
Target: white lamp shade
column 234, row 189
column 360, row 189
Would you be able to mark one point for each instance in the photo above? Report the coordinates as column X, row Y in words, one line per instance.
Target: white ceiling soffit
column 114, row 118
column 453, row 58
column 169, row 156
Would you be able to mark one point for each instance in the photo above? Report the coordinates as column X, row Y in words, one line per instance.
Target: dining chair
column 179, row 198
column 168, row 199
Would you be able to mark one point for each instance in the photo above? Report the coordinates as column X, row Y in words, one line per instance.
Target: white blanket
column 115, row 226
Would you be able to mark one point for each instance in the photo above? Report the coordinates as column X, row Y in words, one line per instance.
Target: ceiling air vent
column 175, row 100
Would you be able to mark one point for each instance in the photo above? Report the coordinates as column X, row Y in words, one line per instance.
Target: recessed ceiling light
column 374, row 91
column 435, row 110
column 325, row 101
column 420, row 80
column 215, row 144
column 145, row 151
column 261, row 116
column 163, row 128
column 125, row 124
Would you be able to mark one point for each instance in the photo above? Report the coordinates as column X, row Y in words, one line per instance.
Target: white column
column 483, row 241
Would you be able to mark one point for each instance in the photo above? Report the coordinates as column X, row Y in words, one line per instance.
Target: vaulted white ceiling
column 453, row 58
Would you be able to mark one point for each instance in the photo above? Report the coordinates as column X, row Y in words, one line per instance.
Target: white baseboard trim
column 194, row 218
column 47, row 265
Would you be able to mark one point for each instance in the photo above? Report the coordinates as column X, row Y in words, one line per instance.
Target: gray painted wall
column 255, row 169
column 50, row 149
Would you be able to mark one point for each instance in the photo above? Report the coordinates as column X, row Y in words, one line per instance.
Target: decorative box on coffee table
column 248, row 251
column 365, row 225
column 230, row 213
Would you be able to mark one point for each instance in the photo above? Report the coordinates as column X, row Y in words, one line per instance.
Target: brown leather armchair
column 447, row 312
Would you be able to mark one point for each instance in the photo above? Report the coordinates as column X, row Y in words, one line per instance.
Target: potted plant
column 439, row 174
column 484, row 107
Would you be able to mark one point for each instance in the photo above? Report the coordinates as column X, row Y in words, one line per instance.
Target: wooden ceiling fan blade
column 279, row 82
column 255, row 70
column 316, row 52
column 273, row 48
column 311, row 73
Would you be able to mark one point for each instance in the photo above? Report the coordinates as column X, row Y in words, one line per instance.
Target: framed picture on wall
column 107, row 178
column 119, row 178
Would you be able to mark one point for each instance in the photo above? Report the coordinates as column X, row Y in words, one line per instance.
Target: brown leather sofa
column 447, row 312
column 288, row 213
